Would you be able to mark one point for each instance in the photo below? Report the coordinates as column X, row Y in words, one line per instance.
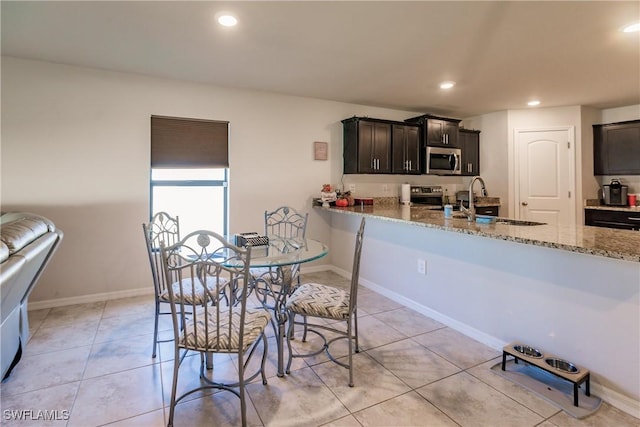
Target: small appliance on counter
column 614, row 193
column 405, row 194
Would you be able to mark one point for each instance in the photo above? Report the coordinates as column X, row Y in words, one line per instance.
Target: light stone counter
column 610, row 243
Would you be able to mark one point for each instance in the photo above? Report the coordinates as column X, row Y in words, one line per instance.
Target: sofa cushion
column 4, row 252
column 20, row 232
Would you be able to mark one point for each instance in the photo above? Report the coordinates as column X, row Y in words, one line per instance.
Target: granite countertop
column 606, row 242
column 597, row 205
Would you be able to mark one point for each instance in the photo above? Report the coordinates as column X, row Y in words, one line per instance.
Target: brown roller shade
column 189, row 143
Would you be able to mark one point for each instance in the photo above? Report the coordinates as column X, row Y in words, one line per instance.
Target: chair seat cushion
column 193, row 294
column 314, row 299
column 195, row 335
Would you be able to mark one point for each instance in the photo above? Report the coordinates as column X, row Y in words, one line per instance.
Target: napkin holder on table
column 251, row 239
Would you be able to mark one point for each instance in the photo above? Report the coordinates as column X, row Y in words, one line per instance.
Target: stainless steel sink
column 509, row 221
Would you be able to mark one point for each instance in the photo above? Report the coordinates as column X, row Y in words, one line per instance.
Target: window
column 197, row 196
column 189, row 172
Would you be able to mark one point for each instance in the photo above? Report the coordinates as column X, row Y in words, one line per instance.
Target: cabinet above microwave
column 437, row 131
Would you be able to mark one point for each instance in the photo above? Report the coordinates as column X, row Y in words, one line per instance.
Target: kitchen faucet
column 471, row 212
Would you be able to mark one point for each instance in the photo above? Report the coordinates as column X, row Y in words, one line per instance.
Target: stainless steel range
column 427, row 195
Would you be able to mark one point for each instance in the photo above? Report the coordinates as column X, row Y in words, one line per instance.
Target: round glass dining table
column 274, row 267
column 281, row 252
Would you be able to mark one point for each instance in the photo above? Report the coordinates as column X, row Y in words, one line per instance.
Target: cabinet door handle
column 525, row 203
column 631, row 218
column 409, row 164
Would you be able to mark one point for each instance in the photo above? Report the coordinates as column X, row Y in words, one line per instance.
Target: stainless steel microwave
column 443, row 161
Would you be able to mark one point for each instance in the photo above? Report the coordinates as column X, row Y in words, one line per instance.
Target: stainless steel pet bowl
column 527, row 351
column 562, row 365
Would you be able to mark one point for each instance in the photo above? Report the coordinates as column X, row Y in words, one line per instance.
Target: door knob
column 525, row 203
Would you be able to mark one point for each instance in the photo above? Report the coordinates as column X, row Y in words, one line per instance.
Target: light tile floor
column 94, row 360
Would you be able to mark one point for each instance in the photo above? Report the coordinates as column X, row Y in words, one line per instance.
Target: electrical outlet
column 385, row 188
column 422, row 266
column 352, row 188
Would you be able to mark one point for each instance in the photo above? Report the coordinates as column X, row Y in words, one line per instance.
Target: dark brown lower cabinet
column 488, row 210
column 627, row 220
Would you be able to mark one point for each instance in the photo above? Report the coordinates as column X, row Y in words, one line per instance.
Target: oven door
column 443, row 161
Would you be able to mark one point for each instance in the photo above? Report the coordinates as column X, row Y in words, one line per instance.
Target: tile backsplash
column 390, row 185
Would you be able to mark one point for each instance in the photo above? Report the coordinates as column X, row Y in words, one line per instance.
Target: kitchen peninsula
column 571, row 291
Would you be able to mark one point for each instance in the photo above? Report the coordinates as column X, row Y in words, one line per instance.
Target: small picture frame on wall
column 320, row 150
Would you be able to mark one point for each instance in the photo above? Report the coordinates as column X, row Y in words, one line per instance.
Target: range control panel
column 432, row 190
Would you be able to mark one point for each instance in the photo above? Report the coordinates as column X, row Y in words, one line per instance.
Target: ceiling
column 381, row 53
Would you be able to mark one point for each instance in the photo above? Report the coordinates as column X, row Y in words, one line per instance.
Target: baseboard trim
column 612, row 397
column 85, row 299
column 105, row 296
column 618, row 400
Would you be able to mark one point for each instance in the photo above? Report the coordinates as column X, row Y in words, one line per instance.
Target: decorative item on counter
column 344, row 199
column 448, row 211
column 405, row 194
column 327, row 195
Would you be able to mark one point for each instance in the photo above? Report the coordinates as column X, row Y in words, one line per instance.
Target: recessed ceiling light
column 227, row 20
column 533, row 103
column 447, row 85
column 631, row 28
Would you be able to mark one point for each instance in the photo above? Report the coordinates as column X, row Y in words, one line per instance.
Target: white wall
column 588, row 185
column 493, row 155
column 75, row 148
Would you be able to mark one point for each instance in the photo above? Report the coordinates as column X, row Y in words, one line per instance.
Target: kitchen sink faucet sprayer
column 471, row 212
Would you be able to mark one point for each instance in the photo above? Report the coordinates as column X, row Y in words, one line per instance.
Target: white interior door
column 545, row 175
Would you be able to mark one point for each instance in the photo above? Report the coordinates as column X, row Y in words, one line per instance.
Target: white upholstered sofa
column 27, row 242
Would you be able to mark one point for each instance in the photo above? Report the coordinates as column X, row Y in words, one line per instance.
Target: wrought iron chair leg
column 155, row 330
column 350, row 339
column 289, row 332
column 241, row 391
column 264, row 357
column 174, row 386
column 355, row 323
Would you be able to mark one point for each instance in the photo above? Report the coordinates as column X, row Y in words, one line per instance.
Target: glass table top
column 281, row 252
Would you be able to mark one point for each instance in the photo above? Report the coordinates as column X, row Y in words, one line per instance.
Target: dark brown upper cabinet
column 469, row 141
column 367, row 145
column 405, row 143
column 616, row 148
column 437, row 131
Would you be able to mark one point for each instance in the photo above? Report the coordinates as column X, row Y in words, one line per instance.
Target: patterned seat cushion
column 194, row 336
column 315, row 299
column 199, row 297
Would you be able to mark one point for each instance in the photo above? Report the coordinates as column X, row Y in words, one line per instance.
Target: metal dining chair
column 227, row 325
column 284, row 222
column 164, row 229
column 321, row 301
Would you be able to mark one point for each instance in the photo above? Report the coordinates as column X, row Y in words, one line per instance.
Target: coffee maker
column 614, row 193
